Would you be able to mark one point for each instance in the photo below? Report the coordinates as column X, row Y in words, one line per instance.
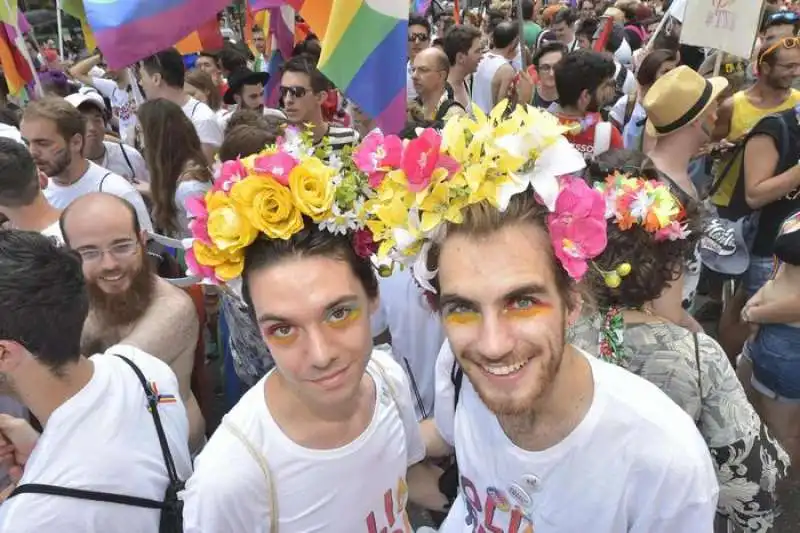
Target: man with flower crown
column 328, row 439
column 548, row 438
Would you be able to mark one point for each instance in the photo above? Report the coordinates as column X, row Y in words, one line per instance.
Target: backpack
column 449, row 480
column 171, row 506
column 727, row 192
column 619, row 81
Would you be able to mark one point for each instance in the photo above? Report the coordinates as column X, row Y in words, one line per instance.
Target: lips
column 505, row 370
column 112, row 278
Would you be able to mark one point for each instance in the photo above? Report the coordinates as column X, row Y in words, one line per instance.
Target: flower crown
column 486, row 158
column 276, row 193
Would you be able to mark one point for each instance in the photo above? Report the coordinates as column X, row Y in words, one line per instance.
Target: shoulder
column 151, row 366
column 388, row 369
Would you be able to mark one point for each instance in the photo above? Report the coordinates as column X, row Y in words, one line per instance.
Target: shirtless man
column 129, row 303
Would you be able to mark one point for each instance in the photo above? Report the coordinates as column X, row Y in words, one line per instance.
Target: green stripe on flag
column 8, row 12
column 366, row 31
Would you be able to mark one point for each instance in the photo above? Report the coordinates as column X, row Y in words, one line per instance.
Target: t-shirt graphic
column 488, row 509
column 393, row 513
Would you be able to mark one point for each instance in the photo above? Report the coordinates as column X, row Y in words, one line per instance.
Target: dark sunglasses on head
column 418, row 38
column 294, row 90
column 786, row 16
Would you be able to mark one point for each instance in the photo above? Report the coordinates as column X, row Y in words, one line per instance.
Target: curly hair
column 655, row 264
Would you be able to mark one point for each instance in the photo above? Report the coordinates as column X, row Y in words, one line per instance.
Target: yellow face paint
column 528, row 312
column 462, row 318
column 352, row 314
column 281, row 339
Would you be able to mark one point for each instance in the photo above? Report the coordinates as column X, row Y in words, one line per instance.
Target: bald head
column 98, row 213
column 431, row 68
column 437, row 57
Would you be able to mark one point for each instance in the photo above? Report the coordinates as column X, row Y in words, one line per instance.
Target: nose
column 108, row 262
column 318, row 348
column 496, row 338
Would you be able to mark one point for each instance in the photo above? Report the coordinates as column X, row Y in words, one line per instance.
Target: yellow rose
column 311, row 183
column 228, row 226
column 268, row 205
column 226, row 265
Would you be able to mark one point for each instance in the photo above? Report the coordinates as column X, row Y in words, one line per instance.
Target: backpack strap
column 127, row 160
column 103, row 181
column 621, row 77
column 444, row 108
column 52, row 490
column 630, row 106
column 457, row 378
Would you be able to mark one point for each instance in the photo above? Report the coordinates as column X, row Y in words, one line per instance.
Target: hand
column 17, row 440
column 525, row 88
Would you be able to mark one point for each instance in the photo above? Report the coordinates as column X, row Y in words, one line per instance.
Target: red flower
column 364, row 244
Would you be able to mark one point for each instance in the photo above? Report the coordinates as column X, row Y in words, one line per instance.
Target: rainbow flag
column 206, row 37
column 364, row 54
column 420, row 7
column 130, row 30
column 75, row 8
column 281, row 29
column 16, row 68
column 8, row 11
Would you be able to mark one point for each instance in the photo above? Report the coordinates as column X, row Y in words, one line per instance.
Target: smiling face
column 313, row 313
column 503, row 314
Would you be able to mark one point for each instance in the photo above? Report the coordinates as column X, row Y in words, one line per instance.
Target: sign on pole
column 727, row 25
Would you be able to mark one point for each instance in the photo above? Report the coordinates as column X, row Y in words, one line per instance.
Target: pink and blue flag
column 130, row 30
column 420, row 7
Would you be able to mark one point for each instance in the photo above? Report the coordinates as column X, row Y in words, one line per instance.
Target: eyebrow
column 534, row 289
column 268, row 317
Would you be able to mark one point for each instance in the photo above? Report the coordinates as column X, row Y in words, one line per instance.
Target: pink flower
column 196, row 269
column 578, row 226
column 229, row 173
column 198, row 225
column 376, row 155
column 364, row 244
column 277, row 165
column 422, row 157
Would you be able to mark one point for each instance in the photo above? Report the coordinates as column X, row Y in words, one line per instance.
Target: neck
column 773, row 96
column 572, row 111
column 456, row 75
column 671, row 156
column 174, row 95
column 320, row 129
column 430, row 102
column 96, row 153
column 789, row 273
column 73, row 172
column 547, row 93
column 44, row 400
column 34, row 217
column 500, row 52
column 559, row 411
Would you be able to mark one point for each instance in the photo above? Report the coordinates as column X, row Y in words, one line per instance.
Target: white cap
column 92, row 97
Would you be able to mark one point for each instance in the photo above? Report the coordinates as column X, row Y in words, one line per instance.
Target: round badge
column 519, row 494
column 532, row 482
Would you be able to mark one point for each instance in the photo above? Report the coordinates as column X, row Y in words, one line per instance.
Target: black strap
column 52, row 490
column 621, row 78
column 415, row 388
column 128, row 161
column 629, row 107
column 103, row 181
column 152, row 402
column 194, row 109
column 444, row 108
column 457, row 377
column 699, row 375
column 690, row 114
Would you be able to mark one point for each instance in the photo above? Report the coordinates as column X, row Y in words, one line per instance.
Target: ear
column 77, row 142
column 322, row 96
column 238, row 99
column 574, row 307
column 12, row 355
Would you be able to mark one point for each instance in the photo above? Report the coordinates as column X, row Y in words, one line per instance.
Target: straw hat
column 678, row 98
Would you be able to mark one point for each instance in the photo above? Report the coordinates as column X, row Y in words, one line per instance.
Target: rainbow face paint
column 351, row 315
column 462, row 318
column 282, row 339
column 527, row 312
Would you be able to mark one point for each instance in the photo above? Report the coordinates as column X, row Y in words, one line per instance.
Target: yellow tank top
column 746, row 115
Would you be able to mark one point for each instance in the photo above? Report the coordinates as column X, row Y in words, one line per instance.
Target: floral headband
column 487, row 158
column 275, row 193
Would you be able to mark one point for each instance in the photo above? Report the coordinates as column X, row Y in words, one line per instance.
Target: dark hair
column 203, row 81
column 43, row 297
column 549, row 48
column 667, row 41
column 648, row 70
column 419, row 20
column 19, row 181
column 581, row 70
column 131, row 211
column 504, row 34
column 213, row 56
column 311, row 241
column 244, row 140
column 483, row 219
column 173, row 149
column 9, row 117
column 459, row 39
column 303, row 64
column 55, row 83
column 655, row 264
column 568, row 16
column 310, row 48
column 231, row 59
column 68, row 120
column 527, row 9
column 587, row 28
column 168, row 63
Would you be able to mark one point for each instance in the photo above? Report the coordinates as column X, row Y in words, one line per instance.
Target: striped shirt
column 339, row 137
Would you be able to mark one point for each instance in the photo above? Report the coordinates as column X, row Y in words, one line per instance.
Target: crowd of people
column 564, row 298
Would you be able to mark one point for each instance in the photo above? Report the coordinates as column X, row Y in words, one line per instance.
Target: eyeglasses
column 295, row 90
column 546, row 68
column 418, row 38
column 424, row 70
column 784, row 16
column 120, row 250
column 788, row 43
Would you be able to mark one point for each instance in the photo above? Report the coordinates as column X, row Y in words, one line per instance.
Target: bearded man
column 129, row 303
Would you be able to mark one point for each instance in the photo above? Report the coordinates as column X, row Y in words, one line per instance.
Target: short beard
column 115, row 310
column 63, row 159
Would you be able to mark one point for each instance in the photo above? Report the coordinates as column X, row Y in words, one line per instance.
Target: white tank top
column 482, row 86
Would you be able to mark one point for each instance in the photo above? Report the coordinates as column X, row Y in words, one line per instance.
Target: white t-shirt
column 624, row 54
column 629, row 86
column 98, row 179
column 54, row 231
column 104, row 439
column 635, row 464
column 417, row 335
column 205, row 122
column 133, row 169
column 122, row 106
column 411, row 92
column 326, row 491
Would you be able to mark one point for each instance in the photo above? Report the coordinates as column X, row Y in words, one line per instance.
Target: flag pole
column 60, row 30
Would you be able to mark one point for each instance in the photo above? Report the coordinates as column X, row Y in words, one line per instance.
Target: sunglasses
column 784, row 16
column 294, row 90
column 418, row 38
column 788, row 43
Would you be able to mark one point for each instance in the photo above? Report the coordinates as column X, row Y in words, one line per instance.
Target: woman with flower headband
column 650, row 234
column 548, row 438
column 322, row 442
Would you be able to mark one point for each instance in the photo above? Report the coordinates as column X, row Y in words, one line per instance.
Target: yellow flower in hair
column 268, row 205
column 226, row 265
column 442, row 204
column 311, row 183
column 228, row 225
